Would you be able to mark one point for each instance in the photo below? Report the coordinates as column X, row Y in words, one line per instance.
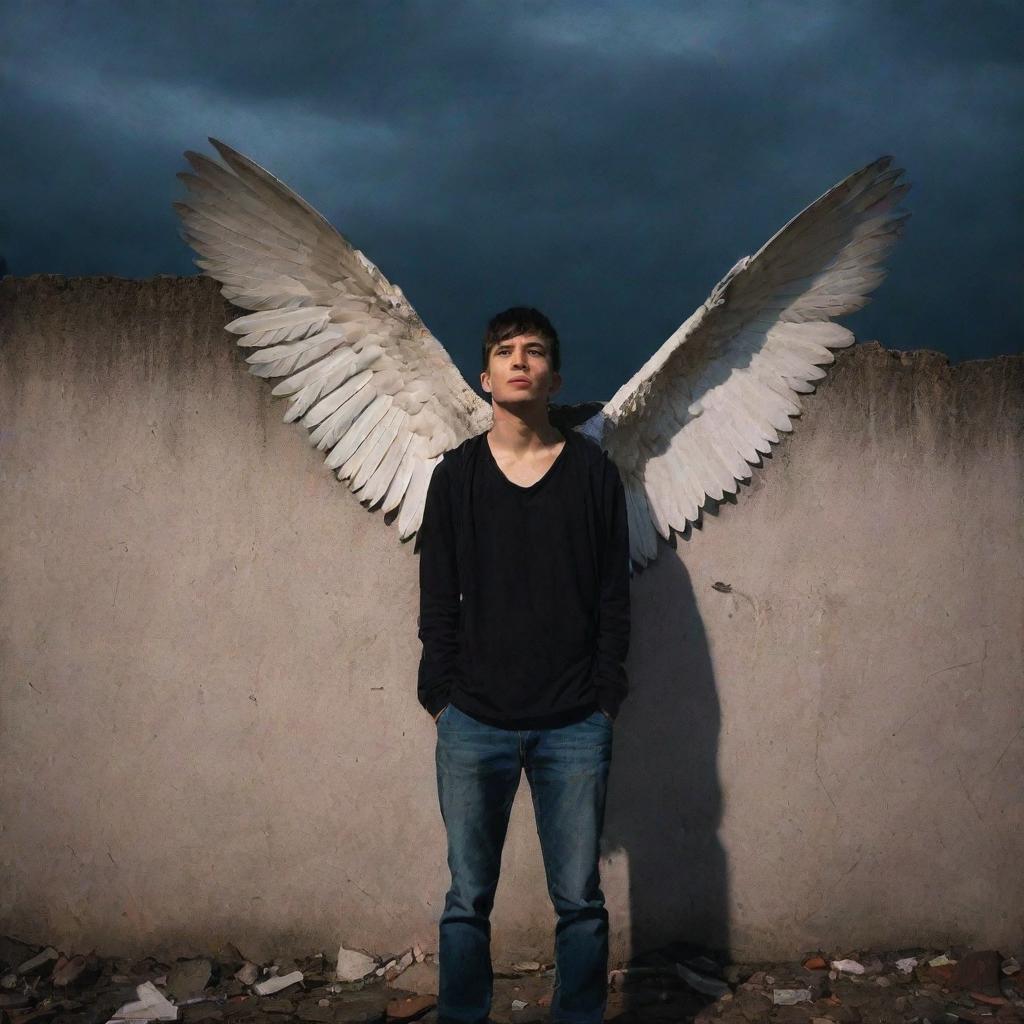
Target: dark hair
column 522, row 320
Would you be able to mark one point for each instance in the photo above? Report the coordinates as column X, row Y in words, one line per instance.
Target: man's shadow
column 664, row 799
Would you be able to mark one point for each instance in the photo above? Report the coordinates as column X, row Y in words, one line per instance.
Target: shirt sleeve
column 610, row 680
column 439, row 595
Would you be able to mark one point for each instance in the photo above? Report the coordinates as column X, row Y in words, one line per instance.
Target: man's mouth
column 518, row 380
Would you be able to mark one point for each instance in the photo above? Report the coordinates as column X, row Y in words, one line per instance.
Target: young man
column 524, row 619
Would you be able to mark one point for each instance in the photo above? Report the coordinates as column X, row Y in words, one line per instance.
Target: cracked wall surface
column 208, row 652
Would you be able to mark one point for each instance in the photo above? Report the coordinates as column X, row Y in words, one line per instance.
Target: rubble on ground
column 674, row 984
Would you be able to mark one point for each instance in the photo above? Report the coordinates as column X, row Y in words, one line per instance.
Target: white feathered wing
column 376, row 388
column 716, row 393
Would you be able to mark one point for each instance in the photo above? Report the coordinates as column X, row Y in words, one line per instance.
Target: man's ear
column 485, row 381
column 556, row 383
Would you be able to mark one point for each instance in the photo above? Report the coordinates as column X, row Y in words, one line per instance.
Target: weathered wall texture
column 209, row 723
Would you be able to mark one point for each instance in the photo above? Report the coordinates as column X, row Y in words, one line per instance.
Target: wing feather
column 378, row 393
column 716, row 395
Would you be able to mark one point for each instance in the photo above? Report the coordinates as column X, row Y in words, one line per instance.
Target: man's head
column 521, row 344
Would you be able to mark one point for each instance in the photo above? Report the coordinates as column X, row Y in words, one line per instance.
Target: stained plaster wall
column 209, row 727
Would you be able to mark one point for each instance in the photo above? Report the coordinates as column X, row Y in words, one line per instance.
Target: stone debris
column 978, row 972
column 277, row 983
column 39, row 963
column 68, row 970
column 410, row 1007
column 396, row 967
column 277, row 1006
column 247, row 974
column 421, row 978
column 14, row 1000
column 526, row 966
column 790, row 996
column 678, row 983
column 354, row 965
column 848, row 966
column 188, row 978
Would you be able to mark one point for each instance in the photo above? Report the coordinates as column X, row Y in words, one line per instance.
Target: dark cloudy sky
column 605, row 162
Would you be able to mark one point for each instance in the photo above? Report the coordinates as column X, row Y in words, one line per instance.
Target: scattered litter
column 276, row 984
column 790, row 996
column 228, row 988
column 848, row 966
column 152, row 1004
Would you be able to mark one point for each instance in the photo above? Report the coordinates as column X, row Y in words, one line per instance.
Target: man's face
column 519, row 370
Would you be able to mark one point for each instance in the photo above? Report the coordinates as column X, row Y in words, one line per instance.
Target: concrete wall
column 209, row 723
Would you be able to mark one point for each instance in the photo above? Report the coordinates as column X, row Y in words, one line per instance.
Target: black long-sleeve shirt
column 524, row 591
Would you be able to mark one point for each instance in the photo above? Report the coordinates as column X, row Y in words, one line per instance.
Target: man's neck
column 523, row 434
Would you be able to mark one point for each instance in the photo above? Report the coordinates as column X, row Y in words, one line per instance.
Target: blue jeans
column 478, row 771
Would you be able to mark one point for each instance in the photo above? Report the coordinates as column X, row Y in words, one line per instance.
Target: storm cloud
column 607, row 163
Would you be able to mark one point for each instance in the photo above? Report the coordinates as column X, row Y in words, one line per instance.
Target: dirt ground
column 673, row 984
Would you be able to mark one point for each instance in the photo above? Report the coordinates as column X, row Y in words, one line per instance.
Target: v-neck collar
column 536, row 484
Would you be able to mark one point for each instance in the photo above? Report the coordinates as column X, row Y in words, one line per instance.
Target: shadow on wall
column 665, row 800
